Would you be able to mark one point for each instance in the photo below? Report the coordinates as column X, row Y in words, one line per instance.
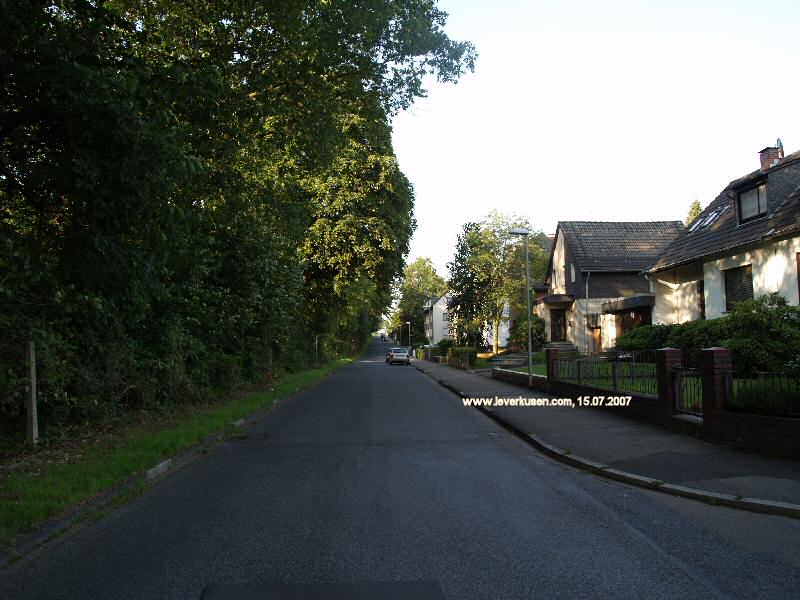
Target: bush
column 762, row 334
column 445, row 344
column 518, row 336
column 462, row 356
column 766, row 397
column 649, row 337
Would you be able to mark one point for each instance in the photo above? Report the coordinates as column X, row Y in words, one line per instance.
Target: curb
column 135, row 484
column 757, row 505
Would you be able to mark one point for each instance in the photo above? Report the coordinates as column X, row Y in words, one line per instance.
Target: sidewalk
column 632, row 446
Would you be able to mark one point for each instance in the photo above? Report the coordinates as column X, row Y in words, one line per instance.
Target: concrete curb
column 133, row 485
column 758, row 505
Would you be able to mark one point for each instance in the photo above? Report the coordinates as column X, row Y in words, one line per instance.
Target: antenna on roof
column 779, row 146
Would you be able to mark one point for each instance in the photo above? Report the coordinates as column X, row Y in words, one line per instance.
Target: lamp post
column 410, row 348
column 525, row 233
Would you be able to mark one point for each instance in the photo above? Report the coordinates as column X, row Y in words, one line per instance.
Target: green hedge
column 460, row 356
column 763, row 335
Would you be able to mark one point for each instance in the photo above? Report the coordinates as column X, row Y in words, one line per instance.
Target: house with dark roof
column 746, row 243
column 595, row 286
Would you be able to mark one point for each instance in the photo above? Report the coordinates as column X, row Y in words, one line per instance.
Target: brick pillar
column 667, row 360
column 715, row 365
column 551, row 354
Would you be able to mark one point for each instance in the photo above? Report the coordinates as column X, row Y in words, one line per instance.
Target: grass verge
column 29, row 498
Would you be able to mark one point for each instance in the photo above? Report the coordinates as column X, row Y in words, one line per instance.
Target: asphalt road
column 379, row 483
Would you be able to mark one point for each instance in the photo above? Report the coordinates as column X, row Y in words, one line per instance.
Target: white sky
column 590, row 110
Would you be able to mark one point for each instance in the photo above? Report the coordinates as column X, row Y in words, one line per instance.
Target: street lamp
column 525, row 234
column 411, row 348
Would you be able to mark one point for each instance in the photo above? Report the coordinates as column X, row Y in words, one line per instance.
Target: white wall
column 558, row 275
column 675, row 303
column 437, row 324
column 774, row 270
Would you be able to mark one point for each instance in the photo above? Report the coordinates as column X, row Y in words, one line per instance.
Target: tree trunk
column 496, row 341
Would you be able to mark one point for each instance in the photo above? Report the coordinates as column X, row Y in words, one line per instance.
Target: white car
column 398, row 355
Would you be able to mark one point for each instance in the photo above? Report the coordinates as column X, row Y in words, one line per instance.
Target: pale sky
column 588, row 110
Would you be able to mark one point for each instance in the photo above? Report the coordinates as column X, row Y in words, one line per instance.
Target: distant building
column 437, row 319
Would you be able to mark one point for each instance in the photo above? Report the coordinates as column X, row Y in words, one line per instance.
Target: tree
column 488, row 274
column 197, row 190
column 419, row 284
column 694, row 211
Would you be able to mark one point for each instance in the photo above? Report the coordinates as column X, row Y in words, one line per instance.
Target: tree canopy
column 694, row 211
column 487, row 275
column 192, row 192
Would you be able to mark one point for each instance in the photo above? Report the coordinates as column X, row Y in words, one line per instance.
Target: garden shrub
column 762, row 334
column 462, row 356
column 518, row 336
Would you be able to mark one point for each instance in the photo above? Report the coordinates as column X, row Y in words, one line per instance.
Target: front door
column 558, row 325
column 595, row 340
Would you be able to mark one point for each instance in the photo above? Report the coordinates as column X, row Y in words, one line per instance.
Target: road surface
column 379, row 477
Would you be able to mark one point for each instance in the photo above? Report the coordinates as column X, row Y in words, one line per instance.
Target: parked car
column 398, row 355
column 389, row 353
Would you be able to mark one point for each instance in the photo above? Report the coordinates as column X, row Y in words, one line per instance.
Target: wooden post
column 30, row 401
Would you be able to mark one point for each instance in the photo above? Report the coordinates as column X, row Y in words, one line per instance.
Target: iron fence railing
column 624, row 372
column 774, row 394
column 688, row 391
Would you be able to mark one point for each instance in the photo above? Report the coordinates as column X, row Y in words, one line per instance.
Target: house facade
column 595, row 286
column 437, row 319
column 745, row 244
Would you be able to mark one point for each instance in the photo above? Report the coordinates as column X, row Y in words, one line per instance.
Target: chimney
column 770, row 155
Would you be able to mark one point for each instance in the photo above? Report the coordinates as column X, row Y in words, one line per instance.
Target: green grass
column 482, row 363
column 540, row 369
column 29, row 498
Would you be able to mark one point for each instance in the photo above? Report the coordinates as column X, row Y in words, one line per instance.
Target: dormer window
column 752, row 204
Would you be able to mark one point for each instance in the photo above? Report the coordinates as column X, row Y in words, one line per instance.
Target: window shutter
column 738, row 285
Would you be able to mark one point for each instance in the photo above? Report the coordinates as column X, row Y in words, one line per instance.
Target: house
column 746, row 243
column 595, row 286
column 438, row 323
column 437, row 319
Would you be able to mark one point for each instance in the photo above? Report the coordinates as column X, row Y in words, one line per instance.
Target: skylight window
column 704, row 222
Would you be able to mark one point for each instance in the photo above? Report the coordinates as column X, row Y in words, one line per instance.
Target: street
column 381, row 475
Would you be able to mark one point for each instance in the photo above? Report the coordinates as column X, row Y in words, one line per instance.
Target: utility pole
column 30, row 404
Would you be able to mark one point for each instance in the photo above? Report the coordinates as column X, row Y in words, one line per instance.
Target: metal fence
column 618, row 371
column 774, row 394
column 688, row 391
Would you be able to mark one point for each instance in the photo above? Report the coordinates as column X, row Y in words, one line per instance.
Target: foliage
column 461, row 356
column 194, row 193
column 445, row 344
column 519, row 334
column 766, row 396
column 419, row 284
column 487, row 273
column 763, row 334
column 694, row 211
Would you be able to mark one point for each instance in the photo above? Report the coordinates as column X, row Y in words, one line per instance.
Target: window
column 738, row 285
column 752, row 203
column 445, row 317
column 572, row 272
column 701, row 298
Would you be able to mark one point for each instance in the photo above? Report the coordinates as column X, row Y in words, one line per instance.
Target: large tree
column 488, row 275
column 192, row 191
